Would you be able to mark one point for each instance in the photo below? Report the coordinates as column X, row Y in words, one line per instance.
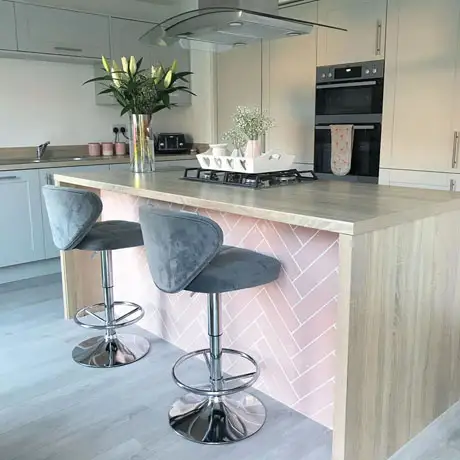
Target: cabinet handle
column 455, row 150
column 71, row 50
column 378, row 40
column 9, row 177
column 453, row 185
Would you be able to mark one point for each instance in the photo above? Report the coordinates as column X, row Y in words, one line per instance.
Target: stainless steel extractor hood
column 226, row 24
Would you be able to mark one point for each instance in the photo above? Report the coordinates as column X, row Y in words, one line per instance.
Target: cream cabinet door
column 290, row 81
column 365, row 21
column 239, row 82
column 7, row 27
column 420, row 85
column 21, row 231
column 61, row 32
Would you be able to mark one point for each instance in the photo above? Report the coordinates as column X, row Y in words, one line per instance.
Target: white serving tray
column 268, row 162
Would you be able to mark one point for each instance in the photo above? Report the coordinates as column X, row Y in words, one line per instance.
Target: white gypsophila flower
column 253, row 122
column 236, row 137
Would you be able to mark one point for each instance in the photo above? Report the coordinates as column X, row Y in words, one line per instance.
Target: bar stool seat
column 185, row 252
column 111, row 235
column 73, row 215
column 233, row 269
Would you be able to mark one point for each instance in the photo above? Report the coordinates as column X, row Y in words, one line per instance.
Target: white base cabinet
column 420, row 179
column 21, row 230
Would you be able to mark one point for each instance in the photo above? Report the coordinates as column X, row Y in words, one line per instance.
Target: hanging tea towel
column 341, row 148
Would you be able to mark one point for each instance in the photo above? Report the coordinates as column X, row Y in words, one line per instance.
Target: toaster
column 171, row 143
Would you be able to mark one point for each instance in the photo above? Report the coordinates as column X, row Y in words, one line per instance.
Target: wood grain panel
column 400, row 315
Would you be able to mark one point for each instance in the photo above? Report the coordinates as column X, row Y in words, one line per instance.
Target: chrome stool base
column 118, row 351
column 217, row 420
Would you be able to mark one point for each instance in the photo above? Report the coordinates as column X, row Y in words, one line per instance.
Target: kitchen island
column 361, row 333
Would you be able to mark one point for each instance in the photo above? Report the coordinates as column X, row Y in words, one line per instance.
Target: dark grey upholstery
column 233, row 269
column 111, row 235
column 185, row 252
column 72, row 213
column 179, row 245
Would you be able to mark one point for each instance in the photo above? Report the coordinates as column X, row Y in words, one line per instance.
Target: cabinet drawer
column 21, row 230
column 52, row 31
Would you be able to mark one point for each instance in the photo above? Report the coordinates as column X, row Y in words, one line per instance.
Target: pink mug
column 120, row 148
column 94, row 149
column 107, row 149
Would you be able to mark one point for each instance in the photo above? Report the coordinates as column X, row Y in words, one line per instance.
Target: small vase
column 253, row 148
column 141, row 143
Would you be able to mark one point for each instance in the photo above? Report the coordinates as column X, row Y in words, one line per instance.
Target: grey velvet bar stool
column 73, row 215
column 186, row 252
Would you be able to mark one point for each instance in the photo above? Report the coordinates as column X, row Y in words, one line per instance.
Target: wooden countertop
column 339, row 207
column 29, row 163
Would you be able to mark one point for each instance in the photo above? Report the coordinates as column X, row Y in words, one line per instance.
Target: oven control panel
column 357, row 71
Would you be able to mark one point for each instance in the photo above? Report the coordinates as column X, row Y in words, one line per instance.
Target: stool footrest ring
column 210, row 392
column 117, row 323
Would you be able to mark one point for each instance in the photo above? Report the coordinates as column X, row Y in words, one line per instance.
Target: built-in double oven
column 350, row 95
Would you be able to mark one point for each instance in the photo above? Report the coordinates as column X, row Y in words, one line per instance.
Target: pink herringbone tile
column 316, row 325
column 317, row 272
column 282, row 306
column 315, row 247
column 318, row 400
column 316, row 377
column 289, row 236
column 321, row 295
column 316, row 351
column 325, row 417
column 278, row 323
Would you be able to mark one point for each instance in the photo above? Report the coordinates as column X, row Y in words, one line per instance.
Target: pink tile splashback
column 288, row 326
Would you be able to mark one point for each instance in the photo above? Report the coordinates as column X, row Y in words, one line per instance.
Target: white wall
column 42, row 101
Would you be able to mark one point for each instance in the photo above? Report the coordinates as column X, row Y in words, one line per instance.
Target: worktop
column 361, row 331
column 340, row 207
column 17, row 164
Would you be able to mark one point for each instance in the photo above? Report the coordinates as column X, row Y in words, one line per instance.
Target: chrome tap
column 41, row 150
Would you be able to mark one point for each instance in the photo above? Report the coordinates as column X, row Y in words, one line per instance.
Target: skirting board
column 30, row 270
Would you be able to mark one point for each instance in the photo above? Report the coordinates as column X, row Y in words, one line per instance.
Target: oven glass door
column 350, row 98
column 365, row 158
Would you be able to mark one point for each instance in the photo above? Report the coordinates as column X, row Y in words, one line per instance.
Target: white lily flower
column 132, row 65
column 105, row 64
column 124, row 64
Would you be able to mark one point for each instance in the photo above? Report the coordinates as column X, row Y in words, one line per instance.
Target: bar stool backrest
column 179, row 245
column 72, row 213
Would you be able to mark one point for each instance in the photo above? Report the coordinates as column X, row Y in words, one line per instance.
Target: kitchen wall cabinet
column 421, row 85
column 289, row 79
column 21, row 232
column 7, row 27
column 239, row 82
column 46, row 177
column 365, row 21
column 125, row 36
column 61, row 32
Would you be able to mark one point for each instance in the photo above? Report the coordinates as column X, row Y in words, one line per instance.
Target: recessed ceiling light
column 293, row 34
column 238, row 44
column 235, row 24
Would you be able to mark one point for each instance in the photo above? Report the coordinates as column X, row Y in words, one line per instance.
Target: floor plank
column 53, row 409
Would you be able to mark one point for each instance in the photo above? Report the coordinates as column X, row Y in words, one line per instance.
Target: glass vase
column 141, row 143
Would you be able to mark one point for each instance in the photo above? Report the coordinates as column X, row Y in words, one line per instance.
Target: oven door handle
column 356, row 128
column 353, row 84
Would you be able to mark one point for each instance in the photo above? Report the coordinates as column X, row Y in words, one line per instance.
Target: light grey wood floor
column 53, row 409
